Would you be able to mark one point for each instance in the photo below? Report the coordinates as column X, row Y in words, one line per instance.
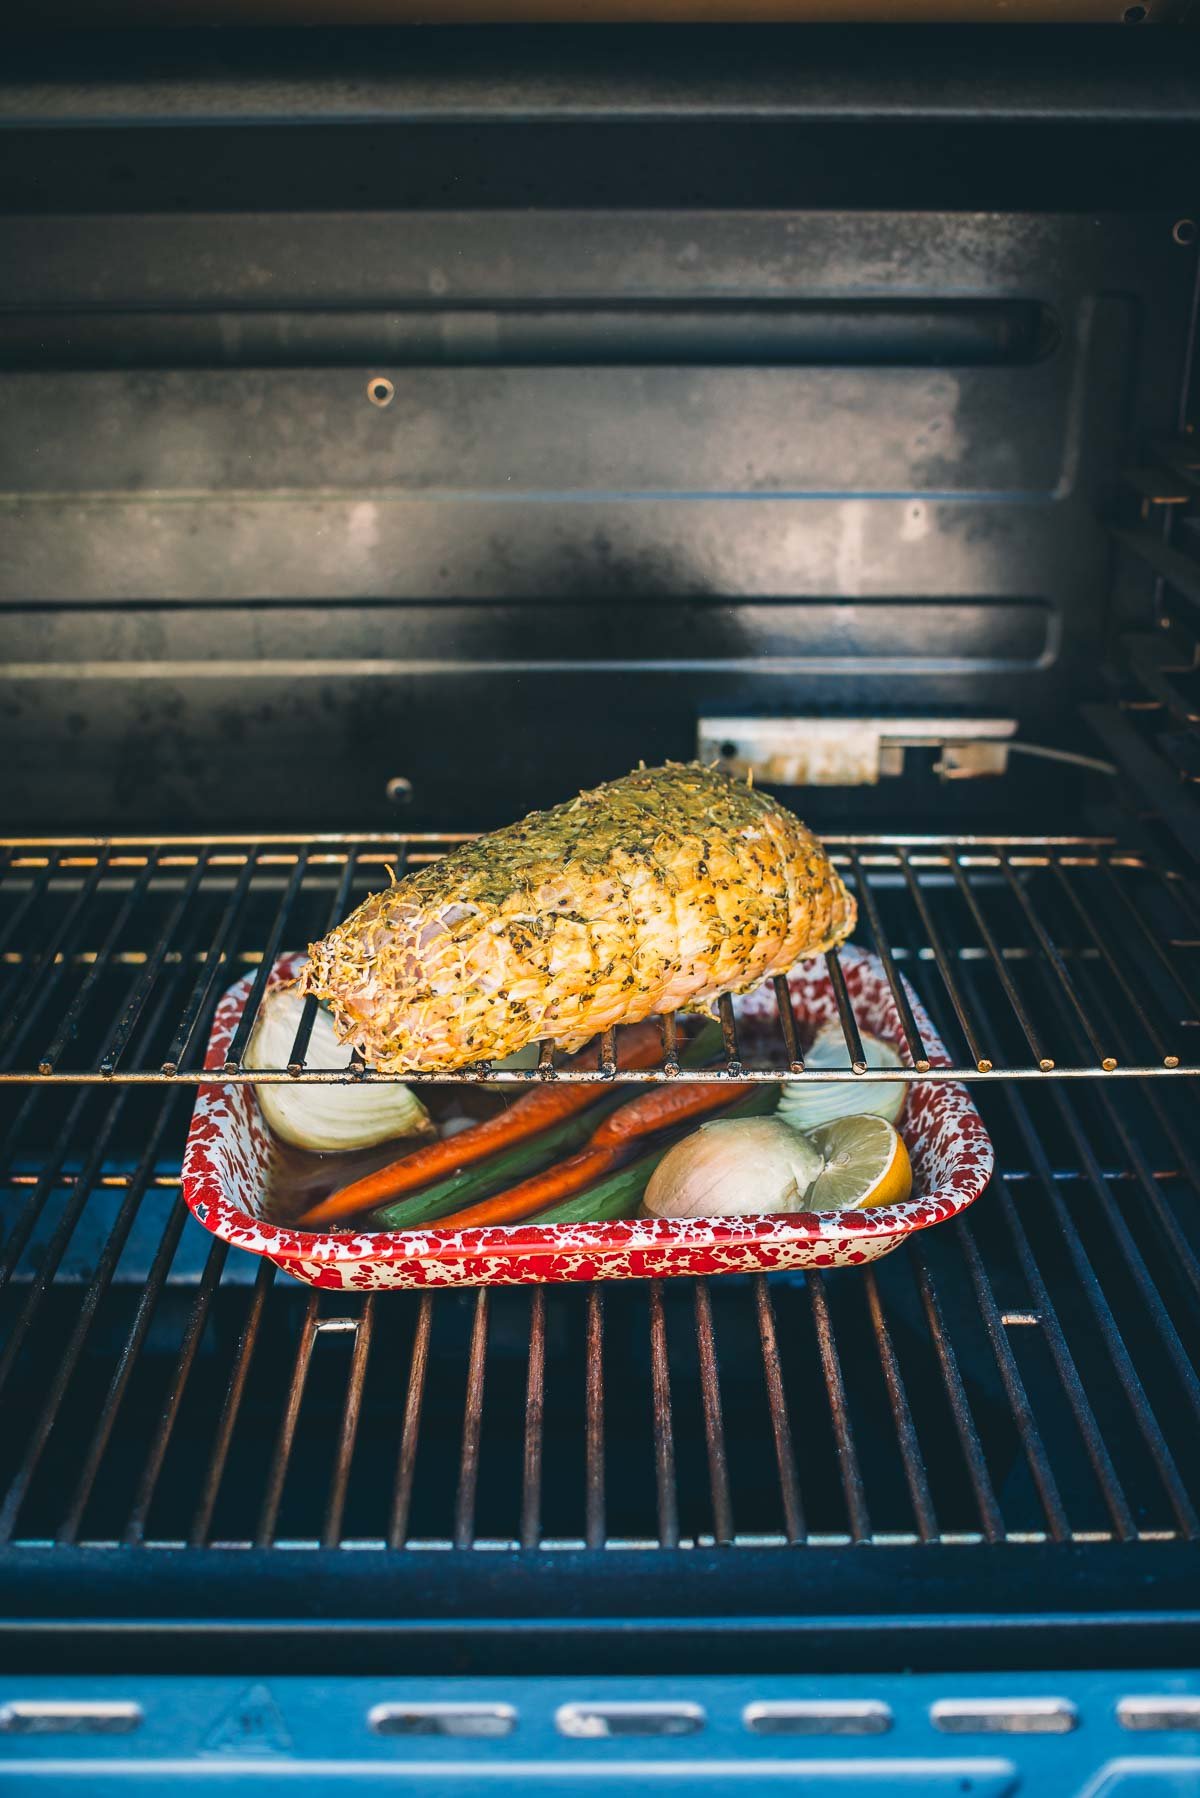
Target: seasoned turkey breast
column 651, row 893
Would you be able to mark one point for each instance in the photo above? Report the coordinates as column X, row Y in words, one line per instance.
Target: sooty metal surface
column 514, row 424
column 1151, row 724
column 1051, row 957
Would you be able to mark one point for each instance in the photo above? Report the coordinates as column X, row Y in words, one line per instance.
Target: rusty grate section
column 1061, row 957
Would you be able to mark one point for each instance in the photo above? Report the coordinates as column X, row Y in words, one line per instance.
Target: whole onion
column 734, row 1167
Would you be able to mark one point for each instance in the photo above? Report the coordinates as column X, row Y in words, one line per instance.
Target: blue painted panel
column 1039, row 1735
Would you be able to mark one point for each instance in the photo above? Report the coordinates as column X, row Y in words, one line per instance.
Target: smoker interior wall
column 708, row 409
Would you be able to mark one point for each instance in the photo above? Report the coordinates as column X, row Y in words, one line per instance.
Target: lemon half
column 866, row 1163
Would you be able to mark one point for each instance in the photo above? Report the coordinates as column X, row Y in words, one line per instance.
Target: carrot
column 477, row 1182
column 616, row 1195
column 663, row 1108
column 547, row 1188
column 620, row 1194
column 639, row 1046
column 498, row 1171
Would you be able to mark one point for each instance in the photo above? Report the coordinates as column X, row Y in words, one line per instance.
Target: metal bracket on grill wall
column 851, row 752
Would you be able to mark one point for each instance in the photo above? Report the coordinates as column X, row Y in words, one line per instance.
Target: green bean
column 507, row 1166
column 620, row 1194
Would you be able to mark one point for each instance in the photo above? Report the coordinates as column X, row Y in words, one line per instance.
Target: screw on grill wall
column 399, row 791
column 380, row 391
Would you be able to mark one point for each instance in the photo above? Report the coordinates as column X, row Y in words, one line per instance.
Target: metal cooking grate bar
column 668, row 1027
column 664, row 1428
column 241, row 1036
column 906, row 1434
column 89, row 1305
column 1068, row 1372
column 1110, row 1331
column 787, row 1021
column 68, row 1529
column 883, row 949
column 1177, row 888
column 337, row 911
column 847, row 1453
column 714, row 1424
column 239, row 1373
column 845, row 1012
column 468, row 1465
column 135, row 1527
column 535, row 1411
column 729, row 1035
column 1184, row 1256
column 132, row 1009
column 1031, row 1438
column 27, row 997
column 74, row 1012
column 1028, row 1028
column 1134, row 1261
column 18, row 1131
column 1118, row 1351
column 216, row 958
column 966, row 1428
column 73, row 1207
column 1105, row 950
column 983, row 1064
column 268, row 1517
column 331, row 1533
column 35, row 1204
column 1053, row 955
column 28, row 1216
column 414, row 1400
column 34, row 895
column 781, row 1428
column 53, row 1251
column 1153, row 941
column 594, row 1418
column 1183, row 1253
column 75, row 916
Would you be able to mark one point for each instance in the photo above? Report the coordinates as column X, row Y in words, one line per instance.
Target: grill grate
column 1052, row 957
column 1026, row 1376
column 1023, row 1376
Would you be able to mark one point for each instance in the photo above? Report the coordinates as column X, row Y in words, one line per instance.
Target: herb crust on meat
column 656, row 892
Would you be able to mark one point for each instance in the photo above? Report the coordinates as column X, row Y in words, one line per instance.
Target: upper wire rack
column 1056, row 957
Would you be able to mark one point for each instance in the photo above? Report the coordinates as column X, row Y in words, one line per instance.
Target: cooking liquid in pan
column 298, row 1179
